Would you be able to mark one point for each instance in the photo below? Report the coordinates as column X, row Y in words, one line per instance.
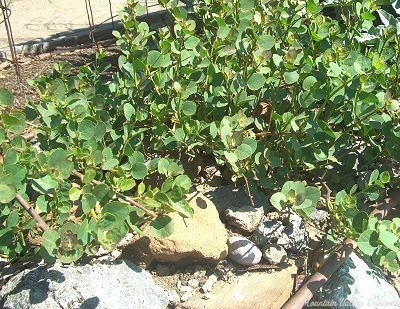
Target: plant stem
column 39, row 221
column 119, row 195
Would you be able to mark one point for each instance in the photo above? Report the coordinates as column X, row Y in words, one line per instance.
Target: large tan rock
column 201, row 239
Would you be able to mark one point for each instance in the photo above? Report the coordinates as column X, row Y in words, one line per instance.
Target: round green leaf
column 368, row 242
column 308, row 82
column 231, row 157
column 156, row 60
column 86, row 129
column 265, row 42
column 243, row 151
column 7, row 193
column 74, row 193
column 290, row 77
column 256, row 81
column 162, row 227
column 139, row 171
column 88, row 202
column 57, row 158
column 6, row 97
column 189, row 108
column 278, row 200
column 50, row 241
column 117, row 209
column 183, row 181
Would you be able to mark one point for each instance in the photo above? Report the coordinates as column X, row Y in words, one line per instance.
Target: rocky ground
column 235, row 253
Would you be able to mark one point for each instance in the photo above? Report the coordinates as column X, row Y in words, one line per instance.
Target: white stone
column 243, row 251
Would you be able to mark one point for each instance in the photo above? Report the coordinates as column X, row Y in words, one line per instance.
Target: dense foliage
column 275, row 90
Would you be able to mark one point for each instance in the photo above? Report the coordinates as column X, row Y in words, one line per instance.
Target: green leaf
column 183, row 208
column 14, row 122
column 110, row 164
column 6, row 97
column 129, row 111
column 368, row 241
column 278, row 200
column 256, row 81
column 126, row 184
column 189, row 108
column 231, row 157
column 74, row 193
column 162, row 226
column 50, row 241
column 156, row 60
column 119, row 210
column 183, row 181
column 388, row 239
column 360, row 222
column 243, row 151
column 308, row 82
column 12, row 219
column 86, row 129
column 374, row 176
column 88, row 202
column 246, row 5
column 291, row 77
column 45, row 185
column 139, row 170
column 57, row 158
column 7, row 193
column 265, row 42
column 384, row 177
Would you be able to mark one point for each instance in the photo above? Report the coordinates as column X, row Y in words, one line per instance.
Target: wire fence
column 92, row 32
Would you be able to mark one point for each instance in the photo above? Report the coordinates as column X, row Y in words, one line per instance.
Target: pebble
column 194, row 283
column 174, row 298
column 186, row 296
column 207, row 287
column 185, row 289
column 243, row 251
column 245, row 218
column 274, row 254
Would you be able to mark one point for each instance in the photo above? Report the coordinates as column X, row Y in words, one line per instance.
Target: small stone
column 206, row 296
column 267, row 232
column 162, row 270
column 274, row 254
column 243, row 251
column 174, row 298
column 186, row 296
column 185, row 289
column 193, row 283
column 207, row 287
column 245, row 218
column 320, row 217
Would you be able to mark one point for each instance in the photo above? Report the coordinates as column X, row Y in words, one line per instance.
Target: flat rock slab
column 104, row 285
column 255, row 290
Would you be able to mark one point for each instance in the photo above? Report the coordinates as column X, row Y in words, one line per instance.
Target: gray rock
column 235, row 196
column 289, row 231
column 243, row 251
column 274, row 254
column 267, row 232
column 357, row 284
column 208, row 285
column 244, row 218
column 104, row 285
column 320, row 218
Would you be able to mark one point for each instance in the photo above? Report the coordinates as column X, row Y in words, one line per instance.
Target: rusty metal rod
column 336, row 259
